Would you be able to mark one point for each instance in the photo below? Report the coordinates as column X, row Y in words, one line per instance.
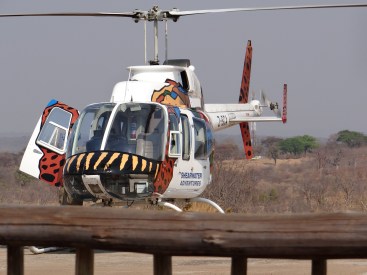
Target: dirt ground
column 63, row 263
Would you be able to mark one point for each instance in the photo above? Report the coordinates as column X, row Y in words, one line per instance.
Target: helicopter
column 153, row 141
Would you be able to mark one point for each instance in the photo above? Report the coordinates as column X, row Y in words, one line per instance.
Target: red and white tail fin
column 246, row 74
column 245, row 86
column 284, row 113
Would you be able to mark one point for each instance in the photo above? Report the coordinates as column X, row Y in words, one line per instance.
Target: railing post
column 84, row 263
column 319, row 267
column 162, row 264
column 15, row 260
column 239, row 265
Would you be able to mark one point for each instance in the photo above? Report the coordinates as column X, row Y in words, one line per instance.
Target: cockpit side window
column 186, row 137
column 185, row 80
column 204, row 140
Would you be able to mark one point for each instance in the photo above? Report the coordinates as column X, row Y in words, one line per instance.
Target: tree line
column 313, row 176
column 297, row 146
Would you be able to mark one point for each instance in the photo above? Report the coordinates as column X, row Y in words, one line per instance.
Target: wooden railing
column 164, row 234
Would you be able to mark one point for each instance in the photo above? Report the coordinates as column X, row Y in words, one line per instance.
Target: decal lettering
column 222, row 120
column 190, row 183
column 191, row 179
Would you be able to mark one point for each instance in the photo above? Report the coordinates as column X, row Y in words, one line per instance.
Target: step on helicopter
column 153, row 141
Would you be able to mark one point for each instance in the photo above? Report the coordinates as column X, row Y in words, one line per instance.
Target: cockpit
column 136, row 128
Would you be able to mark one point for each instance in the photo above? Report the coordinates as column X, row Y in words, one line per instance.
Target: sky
column 320, row 54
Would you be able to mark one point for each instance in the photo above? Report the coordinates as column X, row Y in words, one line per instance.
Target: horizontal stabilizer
column 226, row 115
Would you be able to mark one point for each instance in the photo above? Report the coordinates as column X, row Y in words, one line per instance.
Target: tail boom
column 222, row 116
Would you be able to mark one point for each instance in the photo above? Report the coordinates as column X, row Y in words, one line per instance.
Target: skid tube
column 198, row 199
column 36, row 250
column 211, row 203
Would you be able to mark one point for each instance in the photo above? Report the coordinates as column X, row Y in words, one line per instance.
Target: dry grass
column 18, row 188
column 327, row 180
column 305, row 184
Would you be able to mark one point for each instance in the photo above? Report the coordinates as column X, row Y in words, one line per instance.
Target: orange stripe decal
column 103, row 155
column 124, row 159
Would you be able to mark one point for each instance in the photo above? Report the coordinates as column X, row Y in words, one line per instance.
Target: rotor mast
column 155, row 15
column 156, row 60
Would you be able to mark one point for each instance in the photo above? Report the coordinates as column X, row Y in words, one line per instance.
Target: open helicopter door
column 44, row 156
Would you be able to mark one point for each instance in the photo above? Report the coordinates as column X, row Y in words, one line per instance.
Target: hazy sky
column 321, row 54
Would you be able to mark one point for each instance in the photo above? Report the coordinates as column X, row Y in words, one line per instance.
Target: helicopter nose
column 106, row 174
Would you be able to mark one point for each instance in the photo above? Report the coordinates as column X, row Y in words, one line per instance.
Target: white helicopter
column 153, row 141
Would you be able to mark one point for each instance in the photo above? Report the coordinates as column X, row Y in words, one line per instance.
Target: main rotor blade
column 99, row 14
column 177, row 13
column 156, row 14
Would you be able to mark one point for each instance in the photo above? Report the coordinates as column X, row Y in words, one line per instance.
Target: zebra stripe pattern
column 110, row 162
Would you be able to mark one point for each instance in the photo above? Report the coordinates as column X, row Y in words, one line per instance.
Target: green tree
column 351, row 138
column 298, row 145
column 309, row 143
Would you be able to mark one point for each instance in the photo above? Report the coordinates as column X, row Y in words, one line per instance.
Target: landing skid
column 169, row 205
column 203, row 200
column 212, row 203
column 36, row 250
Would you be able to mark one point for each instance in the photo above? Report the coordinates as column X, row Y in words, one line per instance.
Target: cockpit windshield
column 88, row 131
column 137, row 128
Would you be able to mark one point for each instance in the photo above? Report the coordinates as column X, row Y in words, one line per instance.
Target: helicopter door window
column 55, row 130
column 173, row 122
column 200, row 138
column 186, row 138
column 175, row 137
column 175, row 144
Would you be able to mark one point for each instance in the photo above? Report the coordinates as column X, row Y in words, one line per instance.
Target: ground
column 63, row 262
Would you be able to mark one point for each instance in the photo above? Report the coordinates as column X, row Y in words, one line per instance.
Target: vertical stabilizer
column 245, row 86
column 284, row 113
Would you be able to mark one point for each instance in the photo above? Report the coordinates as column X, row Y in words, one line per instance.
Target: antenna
column 145, row 42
